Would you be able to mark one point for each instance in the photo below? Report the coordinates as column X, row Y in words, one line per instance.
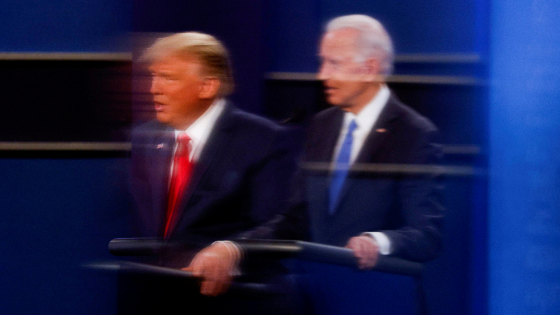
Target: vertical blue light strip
column 524, row 186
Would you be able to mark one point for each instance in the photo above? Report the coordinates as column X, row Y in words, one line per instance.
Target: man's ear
column 373, row 69
column 210, row 87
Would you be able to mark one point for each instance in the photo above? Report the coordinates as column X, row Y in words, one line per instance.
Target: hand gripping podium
column 326, row 277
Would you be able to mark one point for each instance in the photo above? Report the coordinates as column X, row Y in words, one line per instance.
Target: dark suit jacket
column 404, row 205
column 240, row 180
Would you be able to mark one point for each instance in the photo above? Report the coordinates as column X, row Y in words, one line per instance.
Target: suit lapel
column 163, row 145
column 377, row 136
column 380, row 132
column 326, row 143
column 326, row 138
column 217, row 140
column 214, row 143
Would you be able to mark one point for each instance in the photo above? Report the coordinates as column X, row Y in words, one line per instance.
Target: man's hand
column 365, row 250
column 216, row 265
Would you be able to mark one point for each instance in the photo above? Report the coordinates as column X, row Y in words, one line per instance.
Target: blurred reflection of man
column 384, row 213
column 204, row 170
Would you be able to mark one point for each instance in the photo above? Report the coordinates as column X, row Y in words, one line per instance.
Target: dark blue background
column 502, row 234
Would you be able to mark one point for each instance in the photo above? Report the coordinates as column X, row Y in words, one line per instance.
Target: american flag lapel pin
column 381, row 130
column 160, row 146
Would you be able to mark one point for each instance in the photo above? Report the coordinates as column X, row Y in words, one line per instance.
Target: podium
column 323, row 279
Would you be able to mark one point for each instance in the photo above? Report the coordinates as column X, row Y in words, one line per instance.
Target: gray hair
column 373, row 39
column 210, row 51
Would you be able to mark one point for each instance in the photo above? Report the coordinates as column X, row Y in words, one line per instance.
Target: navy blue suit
column 240, row 180
column 390, row 188
column 404, row 206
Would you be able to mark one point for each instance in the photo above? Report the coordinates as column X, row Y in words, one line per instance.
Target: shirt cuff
column 382, row 240
column 236, row 253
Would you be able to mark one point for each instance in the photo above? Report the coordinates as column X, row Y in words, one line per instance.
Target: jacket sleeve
column 420, row 202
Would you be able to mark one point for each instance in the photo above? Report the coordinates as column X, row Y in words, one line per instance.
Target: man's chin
column 332, row 100
column 336, row 102
column 163, row 118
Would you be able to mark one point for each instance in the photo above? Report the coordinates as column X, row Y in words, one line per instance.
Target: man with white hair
column 394, row 209
column 378, row 212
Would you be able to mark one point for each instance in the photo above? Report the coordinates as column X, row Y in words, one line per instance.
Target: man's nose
column 155, row 87
column 324, row 72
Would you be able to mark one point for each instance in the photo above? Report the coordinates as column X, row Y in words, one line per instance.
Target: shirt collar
column 366, row 118
column 200, row 129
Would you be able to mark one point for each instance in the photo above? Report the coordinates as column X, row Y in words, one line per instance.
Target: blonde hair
column 210, row 51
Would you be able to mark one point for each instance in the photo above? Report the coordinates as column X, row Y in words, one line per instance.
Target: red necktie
column 182, row 168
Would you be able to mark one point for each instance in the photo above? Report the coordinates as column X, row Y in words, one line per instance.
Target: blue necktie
column 341, row 167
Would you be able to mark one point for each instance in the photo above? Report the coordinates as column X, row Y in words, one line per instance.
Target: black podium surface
column 323, row 280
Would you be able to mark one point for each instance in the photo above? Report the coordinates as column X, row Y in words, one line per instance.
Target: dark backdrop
column 62, row 207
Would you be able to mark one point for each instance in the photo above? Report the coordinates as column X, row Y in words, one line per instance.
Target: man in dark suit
column 204, row 170
column 381, row 198
column 368, row 180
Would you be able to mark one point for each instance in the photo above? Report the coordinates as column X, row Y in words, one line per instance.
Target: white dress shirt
column 201, row 128
column 199, row 132
column 365, row 120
